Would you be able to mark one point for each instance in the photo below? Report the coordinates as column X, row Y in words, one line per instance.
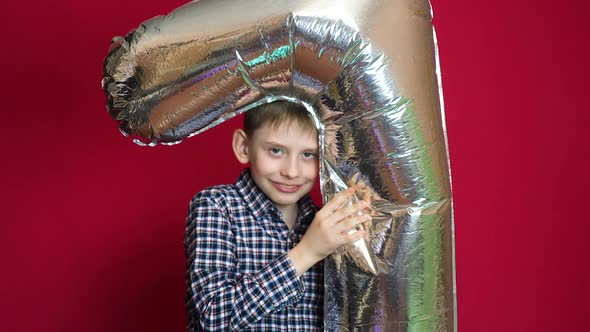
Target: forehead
column 290, row 134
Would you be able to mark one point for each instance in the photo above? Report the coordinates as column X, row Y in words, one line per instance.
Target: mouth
column 286, row 188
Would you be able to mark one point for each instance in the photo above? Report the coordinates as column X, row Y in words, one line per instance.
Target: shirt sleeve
column 224, row 300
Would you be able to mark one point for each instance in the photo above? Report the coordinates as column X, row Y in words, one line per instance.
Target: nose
column 290, row 168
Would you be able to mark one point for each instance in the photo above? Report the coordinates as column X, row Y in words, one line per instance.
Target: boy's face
column 283, row 162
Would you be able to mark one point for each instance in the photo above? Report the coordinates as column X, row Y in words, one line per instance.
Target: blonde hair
column 276, row 114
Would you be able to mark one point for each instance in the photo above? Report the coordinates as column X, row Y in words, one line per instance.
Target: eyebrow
column 273, row 143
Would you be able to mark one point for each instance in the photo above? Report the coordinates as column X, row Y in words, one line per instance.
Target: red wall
column 92, row 225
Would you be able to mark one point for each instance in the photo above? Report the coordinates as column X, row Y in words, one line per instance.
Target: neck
column 289, row 214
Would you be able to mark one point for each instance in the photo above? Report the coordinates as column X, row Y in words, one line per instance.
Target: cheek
column 264, row 165
column 312, row 171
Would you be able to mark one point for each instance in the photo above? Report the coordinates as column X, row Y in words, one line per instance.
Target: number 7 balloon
column 367, row 71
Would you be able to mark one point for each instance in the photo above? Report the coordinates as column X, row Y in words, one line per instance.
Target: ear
column 240, row 146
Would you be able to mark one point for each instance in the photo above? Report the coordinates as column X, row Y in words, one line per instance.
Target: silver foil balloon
column 367, row 72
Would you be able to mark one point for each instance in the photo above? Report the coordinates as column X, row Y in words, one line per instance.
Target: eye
column 309, row 155
column 275, row 151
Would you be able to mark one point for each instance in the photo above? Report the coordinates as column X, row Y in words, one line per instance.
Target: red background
column 91, row 224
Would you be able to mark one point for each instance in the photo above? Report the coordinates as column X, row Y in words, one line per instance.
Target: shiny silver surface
column 367, row 72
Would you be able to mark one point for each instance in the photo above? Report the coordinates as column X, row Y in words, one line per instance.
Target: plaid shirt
column 239, row 276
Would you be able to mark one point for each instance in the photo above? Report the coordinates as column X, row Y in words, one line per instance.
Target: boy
column 254, row 248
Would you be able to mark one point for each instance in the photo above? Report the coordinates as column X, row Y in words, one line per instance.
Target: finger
column 338, row 200
column 349, row 211
column 353, row 236
column 351, row 223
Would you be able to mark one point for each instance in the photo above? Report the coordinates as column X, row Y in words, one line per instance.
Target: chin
column 281, row 198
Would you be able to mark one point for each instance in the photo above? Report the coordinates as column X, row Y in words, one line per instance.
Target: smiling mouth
column 286, row 188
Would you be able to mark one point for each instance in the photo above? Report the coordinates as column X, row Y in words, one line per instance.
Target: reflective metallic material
column 366, row 70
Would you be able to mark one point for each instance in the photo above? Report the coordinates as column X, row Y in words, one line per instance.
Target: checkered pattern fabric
column 239, row 277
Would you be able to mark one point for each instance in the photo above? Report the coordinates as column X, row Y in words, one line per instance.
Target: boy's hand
column 332, row 227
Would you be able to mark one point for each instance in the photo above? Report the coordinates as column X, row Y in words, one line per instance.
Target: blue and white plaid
column 239, row 277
